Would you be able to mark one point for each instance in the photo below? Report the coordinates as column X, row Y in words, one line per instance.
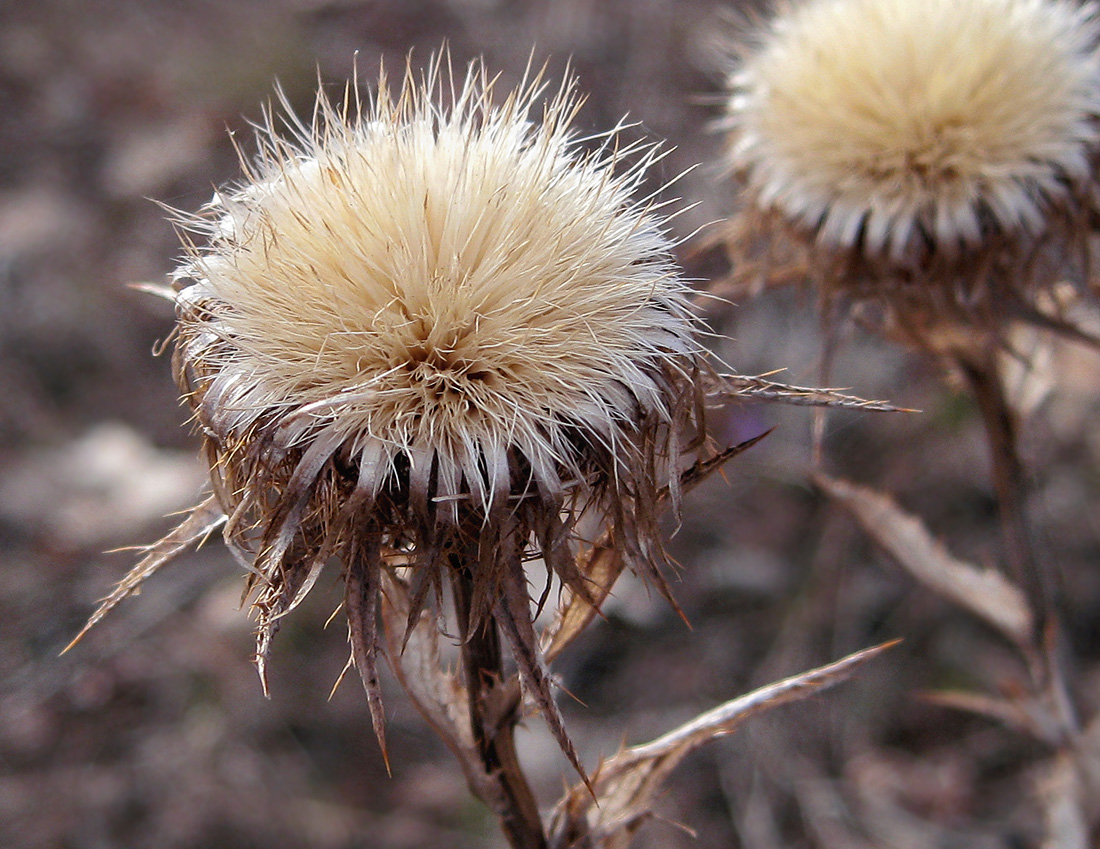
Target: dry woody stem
column 493, row 716
column 1010, row 483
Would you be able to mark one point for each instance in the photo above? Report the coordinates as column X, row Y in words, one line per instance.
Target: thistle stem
column 493, row 717
column 1009, row 482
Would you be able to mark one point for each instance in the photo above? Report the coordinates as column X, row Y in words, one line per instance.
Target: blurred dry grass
column 154, row 733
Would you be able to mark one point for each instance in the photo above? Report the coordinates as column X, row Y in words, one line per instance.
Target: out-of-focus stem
column 1009, row 482
column 493, row 717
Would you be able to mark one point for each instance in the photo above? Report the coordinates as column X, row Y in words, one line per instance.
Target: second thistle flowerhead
column 951, row 142
column 430, row 331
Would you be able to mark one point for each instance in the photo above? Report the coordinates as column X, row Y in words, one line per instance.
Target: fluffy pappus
column 426, row 333
column 939, row 154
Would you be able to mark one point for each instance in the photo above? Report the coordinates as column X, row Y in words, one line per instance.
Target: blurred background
column 153, row 732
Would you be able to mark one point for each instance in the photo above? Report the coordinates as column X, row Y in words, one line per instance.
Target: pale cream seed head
column 444, row 284
column 908, row 126
column 423, row 337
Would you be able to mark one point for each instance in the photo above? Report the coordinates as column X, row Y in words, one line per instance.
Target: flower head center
column 447, row 371
column 934, row 156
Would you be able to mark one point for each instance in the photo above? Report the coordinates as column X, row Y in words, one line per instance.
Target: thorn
column 80, row 636
column 340, row 678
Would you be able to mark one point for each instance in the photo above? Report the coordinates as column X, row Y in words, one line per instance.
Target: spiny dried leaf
column 724, row 388
column 199, row 524
column 985, row 592
column 436, row 693
column 1058, row 324
column 623, row 787
column 602, row 564
column 1023, row 713
column 362, row 588
column 159, row 290
column 703, row 469
column 514, row 616
column 726, row 717
column 272, row 601
column 1042, row 708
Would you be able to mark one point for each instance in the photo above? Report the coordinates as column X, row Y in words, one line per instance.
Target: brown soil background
column 153, row 733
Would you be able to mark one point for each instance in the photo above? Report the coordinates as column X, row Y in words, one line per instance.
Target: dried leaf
column 362, row 588
column 514, row 617
column 1022, row 714
column 603, row 563
column 158, row 290
column 436, row 693
column 985, row 592
column 724, row 388
column 202, row 521
column 1058, row 323
column 623, row 787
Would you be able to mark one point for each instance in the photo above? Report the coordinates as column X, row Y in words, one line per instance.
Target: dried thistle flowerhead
column 939, row 155
column 427, row 333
